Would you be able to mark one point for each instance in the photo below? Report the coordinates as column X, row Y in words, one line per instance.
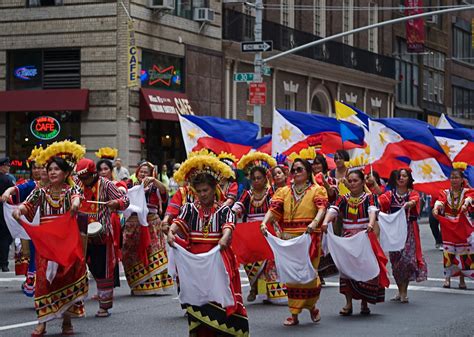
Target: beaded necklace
column 455, row 201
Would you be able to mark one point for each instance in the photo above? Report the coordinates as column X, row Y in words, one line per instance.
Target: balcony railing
column 239, row 27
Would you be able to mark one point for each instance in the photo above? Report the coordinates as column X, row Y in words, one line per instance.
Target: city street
column 432, row 311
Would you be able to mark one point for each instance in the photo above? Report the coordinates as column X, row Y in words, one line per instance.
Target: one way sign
column 256, row 46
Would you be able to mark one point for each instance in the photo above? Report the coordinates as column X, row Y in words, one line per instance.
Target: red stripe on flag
column 218, row 146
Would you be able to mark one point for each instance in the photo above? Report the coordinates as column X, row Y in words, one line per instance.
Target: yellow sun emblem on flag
column 446, row 148
column 193, row 133
column 383, row 137
column 285, row 134
column 426, row 170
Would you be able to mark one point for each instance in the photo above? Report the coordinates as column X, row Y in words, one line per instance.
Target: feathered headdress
column 35, row 153
column 357, row 163
column 227, row 158
column 200, row 164
column 459, row 165
column 254, row 159
column 306, row 154
column 71, row 152
column 107, row 153
column 201, row 152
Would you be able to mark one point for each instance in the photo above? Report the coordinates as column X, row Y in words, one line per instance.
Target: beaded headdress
column 203, row 164
column 256, row 158
column 71, row 152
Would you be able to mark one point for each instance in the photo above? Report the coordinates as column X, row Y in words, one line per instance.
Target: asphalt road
column 432, row 311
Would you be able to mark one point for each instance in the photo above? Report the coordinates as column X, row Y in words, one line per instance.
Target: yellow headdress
column 459, row 165
column 227, row 158
column 306, row 154
column 256, row 158
column 201, row 152
column 35, row 153
column 107, row 153
column 71, row 152
column 200, row 164
column 357, row 163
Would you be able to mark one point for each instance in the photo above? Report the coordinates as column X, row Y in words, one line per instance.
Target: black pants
column 434, row 225
column 5, row 242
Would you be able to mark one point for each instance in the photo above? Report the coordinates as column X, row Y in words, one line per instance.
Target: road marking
column 19, row 325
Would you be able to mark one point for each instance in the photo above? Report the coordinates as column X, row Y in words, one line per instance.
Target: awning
column 44, row 100
column 163, row 105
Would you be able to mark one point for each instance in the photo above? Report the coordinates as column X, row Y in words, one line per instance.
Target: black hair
column 107, row 162
column 376, row 176
column 359, row 173
column 282, row 168
column 62, row 164
column 204, row 178
column 395, row 175
column 343, row 154
column 461, row 173
column 322, row 160
column 307, row 167
column 258, row 169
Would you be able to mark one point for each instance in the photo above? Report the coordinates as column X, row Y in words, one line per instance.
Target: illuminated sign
column 45, row 127
column 26, row 73
column 167, row 76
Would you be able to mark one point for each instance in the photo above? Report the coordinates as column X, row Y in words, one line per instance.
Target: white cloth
column 353, row 256
column 202, row 277
column 292, row 259
column 16, row 230
column 137, row 204
column 393, row 230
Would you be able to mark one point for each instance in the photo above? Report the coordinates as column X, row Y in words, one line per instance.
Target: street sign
column 256, row 46
column 258, row 93
column 267, row 71
column 244, row 77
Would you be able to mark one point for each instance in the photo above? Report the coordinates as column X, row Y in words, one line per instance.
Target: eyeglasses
column 297, row 170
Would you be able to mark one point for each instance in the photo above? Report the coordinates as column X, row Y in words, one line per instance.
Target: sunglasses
column 297, row 170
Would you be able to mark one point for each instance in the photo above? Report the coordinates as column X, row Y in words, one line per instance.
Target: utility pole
column 257, row 108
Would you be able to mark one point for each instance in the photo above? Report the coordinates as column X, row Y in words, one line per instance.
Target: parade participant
column 101, row 197
column 340, row 158
column 253, row 204
column 17, row 194
column 451, row 203
column 299, row 208
column 203, row 224
column 5, row 237
column 374, row 184
column 105, row 169
column 359, row 213
column 279, row 178
column 62, row 297
column 146, row 272
column 320, row 172
column 229, row 187
column 407, row 264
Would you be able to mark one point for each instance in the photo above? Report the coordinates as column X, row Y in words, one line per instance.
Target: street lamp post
column 257, row 108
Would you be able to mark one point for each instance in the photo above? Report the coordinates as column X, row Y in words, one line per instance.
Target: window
column 348, row 20
column 433, row 77
column 39, row 3
column 290, row 101
column 248, row 23
column 373, row 44
column 320, row 18
column 288, row 13
column 463, row 102
column 184, row 8
column 407, row 72
column 462, row 45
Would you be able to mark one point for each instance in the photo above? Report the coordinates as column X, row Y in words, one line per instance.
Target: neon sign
column 45, row 127
column 167, row 76
column 26, row 73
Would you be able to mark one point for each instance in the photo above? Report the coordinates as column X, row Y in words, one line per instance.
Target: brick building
column 68, row 59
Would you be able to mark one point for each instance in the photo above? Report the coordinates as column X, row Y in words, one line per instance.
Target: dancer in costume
column 253, row 204
column 101, row 198
column 279, row 173
column 374, row 184
column 63, row 296
column 407, row 264
column 203, row 224
column 300, row 208
column 359, row 213
column 451, row 203
column 229, row 187
column 143, row 252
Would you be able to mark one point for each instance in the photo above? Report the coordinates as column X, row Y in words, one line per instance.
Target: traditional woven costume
column 294, row 212
column 100, row 256
column 407, row 264
column 355, row 218
column 263, row 276
column 146, row 273
column 202, row 229
column 70, row 285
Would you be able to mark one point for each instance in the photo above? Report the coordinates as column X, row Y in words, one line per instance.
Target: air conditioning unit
column 161, row 4
column 203, row 14
column 432, row 19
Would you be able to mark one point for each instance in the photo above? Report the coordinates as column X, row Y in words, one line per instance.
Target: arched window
column 321, row 101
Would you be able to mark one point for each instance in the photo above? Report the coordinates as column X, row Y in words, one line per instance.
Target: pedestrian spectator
column 173, row 185
column 120, row 172
column 5, row 237
column 164, row 176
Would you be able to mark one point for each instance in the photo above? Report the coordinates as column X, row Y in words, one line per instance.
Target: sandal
column 447, row 284
column 395, row 299
column 315, row 315
column 345, row 311
column 251, row 297
column 102, row 313
column 365, row 311
column 39, row 332
column 67, row 330
column 404, row 300
column 290, row 321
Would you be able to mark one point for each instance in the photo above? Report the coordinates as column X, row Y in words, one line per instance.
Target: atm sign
column 45, row 127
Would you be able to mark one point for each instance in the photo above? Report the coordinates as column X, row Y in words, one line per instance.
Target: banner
column 415, row 29
column 132, row 53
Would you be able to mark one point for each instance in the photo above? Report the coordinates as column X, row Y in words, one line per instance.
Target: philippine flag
column 218, row 134
column 444, row 122
column 294, row 131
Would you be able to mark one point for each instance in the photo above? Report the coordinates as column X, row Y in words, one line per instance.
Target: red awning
column 44, row 100
column 163, row 105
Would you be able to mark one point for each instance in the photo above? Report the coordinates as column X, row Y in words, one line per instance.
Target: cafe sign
column 45, row 127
